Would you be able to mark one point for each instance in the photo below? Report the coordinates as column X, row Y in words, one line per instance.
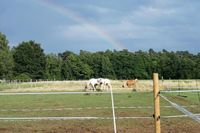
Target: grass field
column 141, row 86
column 130, row 104
column 186, row 99
column 95, row 107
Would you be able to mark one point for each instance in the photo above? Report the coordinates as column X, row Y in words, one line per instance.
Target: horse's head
column 100, row 81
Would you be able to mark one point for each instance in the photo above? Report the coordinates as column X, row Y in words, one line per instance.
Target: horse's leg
column 104, row 86
column 93, row 87
column 100, row 87
column 107, row 86
column 110, row 86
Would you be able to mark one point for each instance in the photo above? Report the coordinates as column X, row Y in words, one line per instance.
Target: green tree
column 186, row 68
column 86, row 57
column 29, row 59
column 107, row 70
column 65, row 55
column 197, row 66
column 123, row 64
column 99, row 63
column 6, row 60
column 74, row 69
column 53, row 67
column 141, row 65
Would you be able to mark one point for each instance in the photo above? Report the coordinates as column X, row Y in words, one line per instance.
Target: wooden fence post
column 156, row 103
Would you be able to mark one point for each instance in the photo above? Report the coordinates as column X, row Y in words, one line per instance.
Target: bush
column 23, row 77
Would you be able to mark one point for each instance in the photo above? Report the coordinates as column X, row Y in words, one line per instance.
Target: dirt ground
column 174, row 125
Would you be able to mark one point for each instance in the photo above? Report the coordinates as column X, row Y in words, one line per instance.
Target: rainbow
column 95, row 28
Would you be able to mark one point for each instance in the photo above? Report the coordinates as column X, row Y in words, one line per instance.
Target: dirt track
column 182, row 125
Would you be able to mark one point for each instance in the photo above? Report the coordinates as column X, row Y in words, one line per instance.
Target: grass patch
column 83, row 105
column 141, row 86
column 88, row 104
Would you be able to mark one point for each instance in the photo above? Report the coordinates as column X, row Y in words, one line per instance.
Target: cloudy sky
column 95, row 25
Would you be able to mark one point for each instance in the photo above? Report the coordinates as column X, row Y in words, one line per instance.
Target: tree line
column 28, row 61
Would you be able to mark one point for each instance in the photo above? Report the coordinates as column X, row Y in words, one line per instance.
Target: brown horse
column 129, row 83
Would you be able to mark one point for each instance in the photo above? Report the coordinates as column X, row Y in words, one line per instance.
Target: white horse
column 105, row 83
column 92, row 83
